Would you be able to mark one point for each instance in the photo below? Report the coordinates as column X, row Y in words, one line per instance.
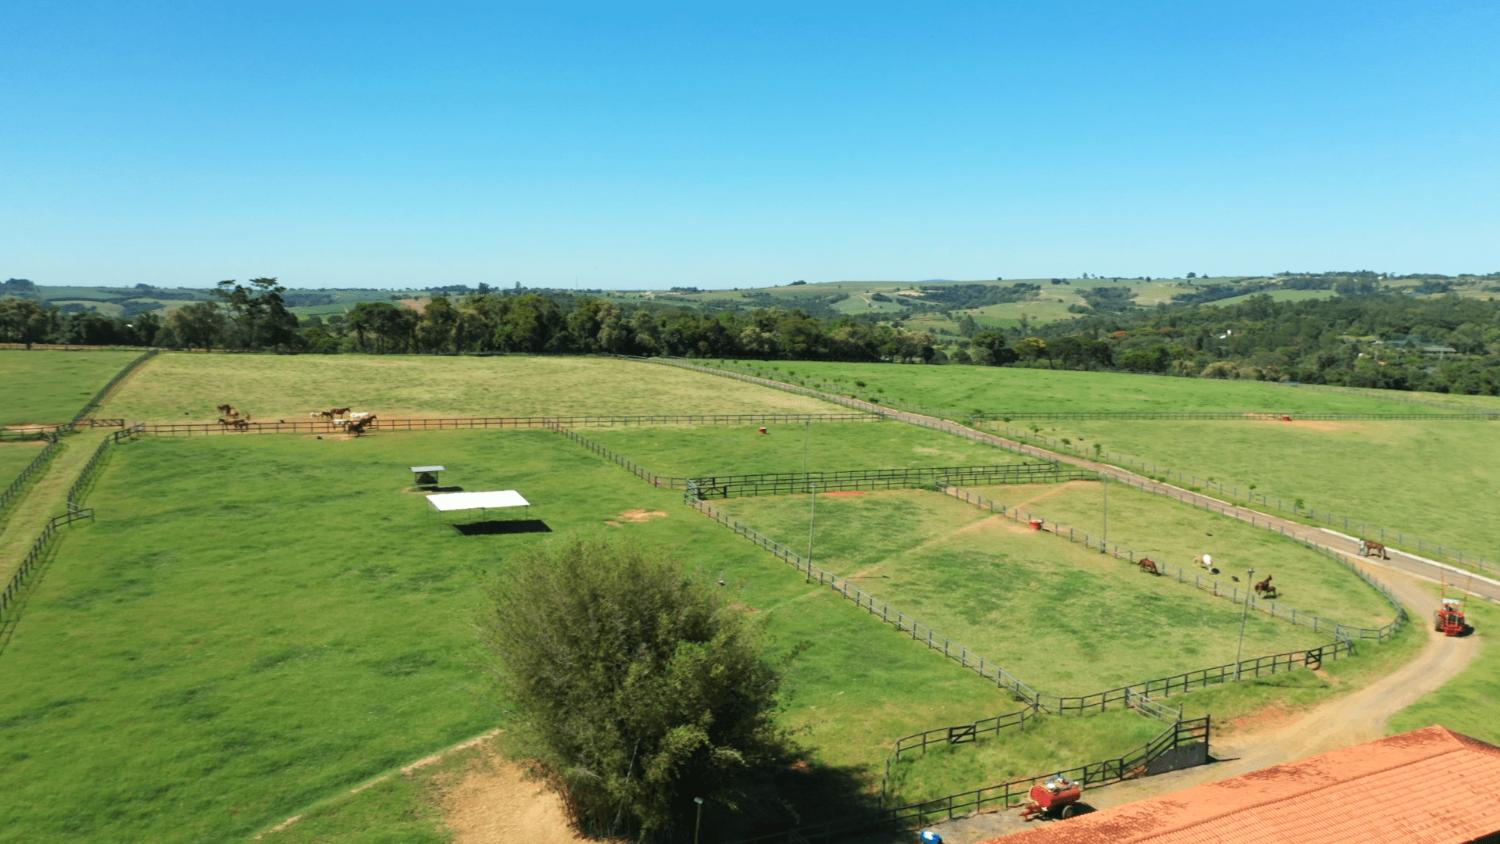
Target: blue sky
column 635, row 145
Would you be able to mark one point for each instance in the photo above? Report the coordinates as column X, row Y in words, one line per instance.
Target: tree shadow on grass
column 494, row 527
column 823, row 803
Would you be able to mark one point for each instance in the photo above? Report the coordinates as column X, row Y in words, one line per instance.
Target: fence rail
column 75, row 512
column 1291, row 507
column 98, row 398
column 783, row 483
column 1181, row 745
column 1231, row 415
column 1192, row 577
column 452, row 423
column 13, row 491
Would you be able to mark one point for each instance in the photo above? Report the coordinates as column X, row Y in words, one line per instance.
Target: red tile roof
column 1429, row 785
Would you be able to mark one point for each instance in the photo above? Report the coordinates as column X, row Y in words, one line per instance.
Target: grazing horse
column 1371, row 548
column 1149, row 565
column 358, row 426
column 1265, row 588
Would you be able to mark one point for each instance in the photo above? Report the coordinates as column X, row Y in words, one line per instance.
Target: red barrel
column 1036, row 524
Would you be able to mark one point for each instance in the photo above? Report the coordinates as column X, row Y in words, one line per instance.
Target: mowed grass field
column 1065, row 619
column 14, row 456
column 254, row 624
column 1173, row 533
column 828, row 446
column 960, row 390
column 48, row 386
column 178, row 386
column 1433, row 479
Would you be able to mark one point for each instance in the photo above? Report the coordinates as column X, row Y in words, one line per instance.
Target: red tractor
column 1449, row 620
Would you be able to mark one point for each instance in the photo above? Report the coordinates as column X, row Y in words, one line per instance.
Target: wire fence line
column 1182, row 745
column 13, row 491
column 454, row 423
column 1233, row 415
column 14, row 587
column 98, row 397
column 1292, row 507
column 934, row 421
column 1194, row 577
column 785, row 483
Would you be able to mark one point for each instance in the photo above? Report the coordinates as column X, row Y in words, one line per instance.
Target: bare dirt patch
column 418, row 305
column 1324, row 426
column 496, row 802
column 637, row 515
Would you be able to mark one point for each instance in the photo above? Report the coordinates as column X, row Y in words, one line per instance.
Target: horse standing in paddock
column 1265, row 589
column 241, row 424
column 1371, row 548
column 1149, row 565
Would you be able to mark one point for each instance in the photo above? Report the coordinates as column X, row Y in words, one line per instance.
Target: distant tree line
column 1445, row 343
column 254, row 317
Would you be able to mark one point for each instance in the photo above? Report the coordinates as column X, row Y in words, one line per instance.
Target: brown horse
column 1149, row 565
column 1371, row 548
column 338, row 411
column 1265, row 588
column 241, row 424
column 358, row 426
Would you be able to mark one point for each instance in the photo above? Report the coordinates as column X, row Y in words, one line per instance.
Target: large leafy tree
column 638, row 689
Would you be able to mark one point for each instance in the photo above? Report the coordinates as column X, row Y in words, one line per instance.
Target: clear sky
column 638, row 144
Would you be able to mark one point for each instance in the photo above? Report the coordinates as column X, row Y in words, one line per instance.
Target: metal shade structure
column 507, row 500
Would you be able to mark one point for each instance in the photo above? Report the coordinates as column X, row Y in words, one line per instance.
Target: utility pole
column 1104, row 537
column 1244, row 613
column 812, row 523
column 698, row 820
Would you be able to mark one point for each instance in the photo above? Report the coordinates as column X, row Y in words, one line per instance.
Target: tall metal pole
column 697, row 821
column 812, row 523
column 1244, row 613
column 1104, row 537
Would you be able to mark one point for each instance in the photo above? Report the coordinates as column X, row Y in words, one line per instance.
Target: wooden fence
column 76, row 512
column 1192, row 576
column 784, row 483
column 1181, row 745
column 1290, row 507
column 13, row 491
column 1232, row 415
column 456, row 423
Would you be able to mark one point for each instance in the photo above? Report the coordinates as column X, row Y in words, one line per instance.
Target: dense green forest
column 1366, row 336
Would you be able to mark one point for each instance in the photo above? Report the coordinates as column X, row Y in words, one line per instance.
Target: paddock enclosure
column 253, row 624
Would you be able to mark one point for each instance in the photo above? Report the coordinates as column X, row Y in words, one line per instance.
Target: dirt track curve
column 1359, row 716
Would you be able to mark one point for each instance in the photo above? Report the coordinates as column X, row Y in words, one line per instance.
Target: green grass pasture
column 49, row 386
column 255, row 624
column 14, row 456
column 829, row 446
column 1433, row 479
column 182, row 387
column 960, row 390
column 1065, row 619
column 1157, row 527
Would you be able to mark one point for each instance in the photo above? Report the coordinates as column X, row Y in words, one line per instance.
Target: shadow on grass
column 495, row 527
column 820, row 802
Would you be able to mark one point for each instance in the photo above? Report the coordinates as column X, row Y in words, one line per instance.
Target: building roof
column 1428, row 785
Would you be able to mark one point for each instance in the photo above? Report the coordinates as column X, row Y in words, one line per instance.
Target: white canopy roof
column 428, row 468
column 499, row 499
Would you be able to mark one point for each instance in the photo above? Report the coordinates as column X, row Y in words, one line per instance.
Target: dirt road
column 1359, row 716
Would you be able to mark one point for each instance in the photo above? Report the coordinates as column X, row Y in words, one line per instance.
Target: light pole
column 1104, row 538
column 1244, row 613
column 697, row 821
column 812, row 524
